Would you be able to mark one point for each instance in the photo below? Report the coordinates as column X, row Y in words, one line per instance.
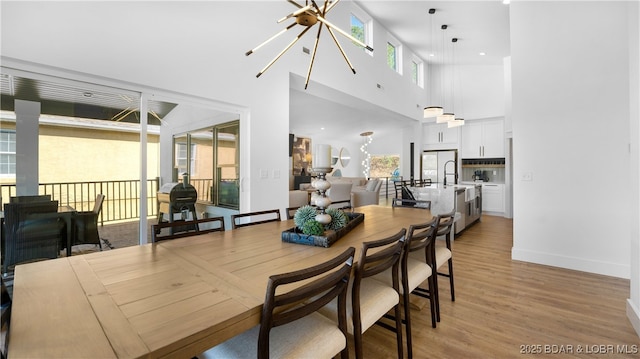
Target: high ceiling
column 481, row 26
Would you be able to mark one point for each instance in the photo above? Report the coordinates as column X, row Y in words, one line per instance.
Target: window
column 394, row 54
column 417, row 71
column 7, row 153
column 182, row 156
column 384, row 165
column 213, row 155
column 361, row 25
column 357, row 28
column 392, row 57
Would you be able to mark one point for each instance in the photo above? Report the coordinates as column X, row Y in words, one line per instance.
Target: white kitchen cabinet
column 493, row 197
column 483, row 139
column 439, row 136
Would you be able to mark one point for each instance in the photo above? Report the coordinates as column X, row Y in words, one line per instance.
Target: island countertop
column 443, row 198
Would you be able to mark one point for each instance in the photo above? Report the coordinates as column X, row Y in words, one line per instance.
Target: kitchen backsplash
column 491, row 174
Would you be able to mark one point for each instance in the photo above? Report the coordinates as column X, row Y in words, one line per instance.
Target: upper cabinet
column 439, row 136
column 483, row 139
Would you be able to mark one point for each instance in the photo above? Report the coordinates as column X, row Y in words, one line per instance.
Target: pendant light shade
column 445, row 117
column 455, row 123
column 433, row 111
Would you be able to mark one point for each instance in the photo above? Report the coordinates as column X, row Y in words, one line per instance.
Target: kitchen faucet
column 455, row 175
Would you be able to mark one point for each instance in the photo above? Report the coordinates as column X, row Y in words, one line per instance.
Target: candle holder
column 322, row 202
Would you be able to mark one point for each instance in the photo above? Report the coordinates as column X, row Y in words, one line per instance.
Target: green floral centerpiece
column 305, row 220
column 311, row 232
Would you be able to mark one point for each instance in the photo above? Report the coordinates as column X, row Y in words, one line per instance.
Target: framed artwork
column 301, row 155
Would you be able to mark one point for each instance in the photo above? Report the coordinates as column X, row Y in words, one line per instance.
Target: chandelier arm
column 328, row 8
column 296, row 4
column 296, row 13
column 113, row 118
column 335, row 39
column 332, row 26
column 283, row 51
column 125, row 115
column 313, row 56
column 270, row 39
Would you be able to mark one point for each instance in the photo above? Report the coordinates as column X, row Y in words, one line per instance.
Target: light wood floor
column 503, row 306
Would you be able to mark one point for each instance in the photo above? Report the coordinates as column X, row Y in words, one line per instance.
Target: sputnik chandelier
column 307, row 16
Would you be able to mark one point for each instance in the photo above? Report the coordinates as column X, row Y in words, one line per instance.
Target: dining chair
column 415, row 270
column 372, row 299
column 415, row 203
column 181, row 229
column 290, row 326
column 33, row 231
column 241, row 220
column 443, row 253
column 291, row 211
column 86, row 224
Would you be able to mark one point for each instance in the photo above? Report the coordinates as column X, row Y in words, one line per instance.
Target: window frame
column 391, row 40
column 419, row 80
column 10, row 143
column 367, row 22
column 185, row 139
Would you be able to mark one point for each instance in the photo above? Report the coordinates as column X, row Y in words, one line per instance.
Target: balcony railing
column 122, row 198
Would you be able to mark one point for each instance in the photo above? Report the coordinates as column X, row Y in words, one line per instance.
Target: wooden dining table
column 170, row 299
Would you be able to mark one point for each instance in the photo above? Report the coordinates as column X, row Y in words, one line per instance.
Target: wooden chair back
column 329, row 280
column 180, row 229
column 239, row 220
column 290, row 212
column 376, row 257
column 445, row 224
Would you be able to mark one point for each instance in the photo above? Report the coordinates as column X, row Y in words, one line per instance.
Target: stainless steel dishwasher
column 461, row 207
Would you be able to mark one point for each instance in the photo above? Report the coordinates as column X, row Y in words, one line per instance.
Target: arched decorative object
column 345, row 157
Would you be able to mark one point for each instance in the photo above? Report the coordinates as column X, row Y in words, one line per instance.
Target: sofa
column 298, row 198
column 363, row 192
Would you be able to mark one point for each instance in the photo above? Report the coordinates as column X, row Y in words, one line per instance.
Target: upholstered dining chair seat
column 376, row 296
column 443, row 254
column 287, row 341
column 418, row 271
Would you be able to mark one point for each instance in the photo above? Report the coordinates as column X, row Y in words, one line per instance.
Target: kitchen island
column 465, row 199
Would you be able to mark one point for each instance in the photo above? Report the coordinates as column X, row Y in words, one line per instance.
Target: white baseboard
column 581, row 264
column 633, row 313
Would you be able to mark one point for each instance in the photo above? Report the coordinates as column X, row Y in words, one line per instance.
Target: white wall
column 633, row 304
column 571, row 132
column 478, row 90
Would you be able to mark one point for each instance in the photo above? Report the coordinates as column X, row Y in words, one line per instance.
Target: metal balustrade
column 122, row 200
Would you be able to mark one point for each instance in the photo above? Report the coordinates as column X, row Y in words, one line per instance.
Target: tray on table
column 295, row 235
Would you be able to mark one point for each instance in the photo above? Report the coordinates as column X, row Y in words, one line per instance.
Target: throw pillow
column 371, row 185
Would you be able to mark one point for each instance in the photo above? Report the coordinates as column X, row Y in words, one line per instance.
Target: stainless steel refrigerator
column 433, row 166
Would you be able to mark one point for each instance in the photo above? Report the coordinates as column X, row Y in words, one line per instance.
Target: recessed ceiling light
column 482, row 53
column 322, row 128
column 432, row 55
column 506, row 2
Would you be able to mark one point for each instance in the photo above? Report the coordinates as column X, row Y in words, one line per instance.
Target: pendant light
column 457, row 121
column 446, row 116
column 433, row 110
